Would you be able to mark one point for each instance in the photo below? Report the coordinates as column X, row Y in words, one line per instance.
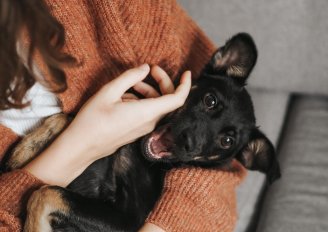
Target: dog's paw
column 36, row 141
column 42, row 208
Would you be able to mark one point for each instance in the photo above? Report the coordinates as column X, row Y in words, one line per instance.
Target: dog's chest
column 124, row 179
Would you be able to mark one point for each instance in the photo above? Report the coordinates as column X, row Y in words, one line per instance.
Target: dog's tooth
column 197, row 157
column 213, row 157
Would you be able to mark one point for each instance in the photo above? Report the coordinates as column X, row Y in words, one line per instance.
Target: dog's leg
column 35, row 142
column 40, row 207
column 54, row 209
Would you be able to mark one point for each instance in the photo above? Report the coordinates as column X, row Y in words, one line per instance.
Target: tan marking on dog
column 41, row 204
column 36, row 141
column 213, row 157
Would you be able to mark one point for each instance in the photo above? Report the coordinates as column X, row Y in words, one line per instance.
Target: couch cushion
column 291, row 36
column 266, row 105
column 299, row 201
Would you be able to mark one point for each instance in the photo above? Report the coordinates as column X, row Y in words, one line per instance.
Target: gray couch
column 289, row 87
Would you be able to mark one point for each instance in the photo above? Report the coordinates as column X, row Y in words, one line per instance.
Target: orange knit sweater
column 108, row 37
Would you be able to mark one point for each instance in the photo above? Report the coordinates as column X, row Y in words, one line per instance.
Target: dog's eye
column 226, row 142
column 210, row 100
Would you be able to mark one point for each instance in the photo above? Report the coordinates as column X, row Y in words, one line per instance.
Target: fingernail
column 144, row 67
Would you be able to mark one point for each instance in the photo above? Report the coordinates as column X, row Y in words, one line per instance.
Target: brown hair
column 45, row 33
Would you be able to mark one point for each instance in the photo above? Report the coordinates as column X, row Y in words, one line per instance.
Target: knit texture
column 15, row 189
column 8, row 138
column 106, row 38
column 115, row 35
column 196, row 199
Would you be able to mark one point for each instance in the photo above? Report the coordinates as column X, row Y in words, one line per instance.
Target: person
column 72, row 57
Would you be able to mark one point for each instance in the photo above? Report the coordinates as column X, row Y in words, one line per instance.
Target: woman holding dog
column 72, row 57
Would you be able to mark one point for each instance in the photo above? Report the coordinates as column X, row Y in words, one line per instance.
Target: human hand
column 113, row 118
column 107, row 121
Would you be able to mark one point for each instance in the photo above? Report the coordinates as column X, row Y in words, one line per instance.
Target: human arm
column 14, row 186
column 105, row 123
column 62, row 162
column 197, row 199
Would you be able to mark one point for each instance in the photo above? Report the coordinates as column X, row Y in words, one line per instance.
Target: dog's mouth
column 159, row 144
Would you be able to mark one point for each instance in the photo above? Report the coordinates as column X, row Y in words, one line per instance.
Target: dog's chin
column 158, row 146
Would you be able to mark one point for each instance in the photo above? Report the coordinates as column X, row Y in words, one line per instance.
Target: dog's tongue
column 162, row 142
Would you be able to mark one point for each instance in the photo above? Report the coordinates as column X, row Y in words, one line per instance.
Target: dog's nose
column 187, row 141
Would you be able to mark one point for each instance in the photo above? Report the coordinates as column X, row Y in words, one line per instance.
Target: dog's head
column 217, row 122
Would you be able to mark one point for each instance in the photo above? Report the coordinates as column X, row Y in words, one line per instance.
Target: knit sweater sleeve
column 14, row 187
column 197, row 199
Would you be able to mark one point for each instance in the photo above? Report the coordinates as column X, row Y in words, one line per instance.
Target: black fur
column 216, row 125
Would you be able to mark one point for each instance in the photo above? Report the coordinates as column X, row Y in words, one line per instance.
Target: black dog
column 215, row 125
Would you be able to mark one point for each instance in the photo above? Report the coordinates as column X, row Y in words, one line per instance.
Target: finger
column 170, row 102
column 117, row 87
column 129, row 96
column 182, row 91
column 164, row 81
column 146, row 90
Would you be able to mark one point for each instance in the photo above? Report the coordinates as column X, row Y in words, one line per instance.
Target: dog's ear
column 259, row 154
column 235, row 59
